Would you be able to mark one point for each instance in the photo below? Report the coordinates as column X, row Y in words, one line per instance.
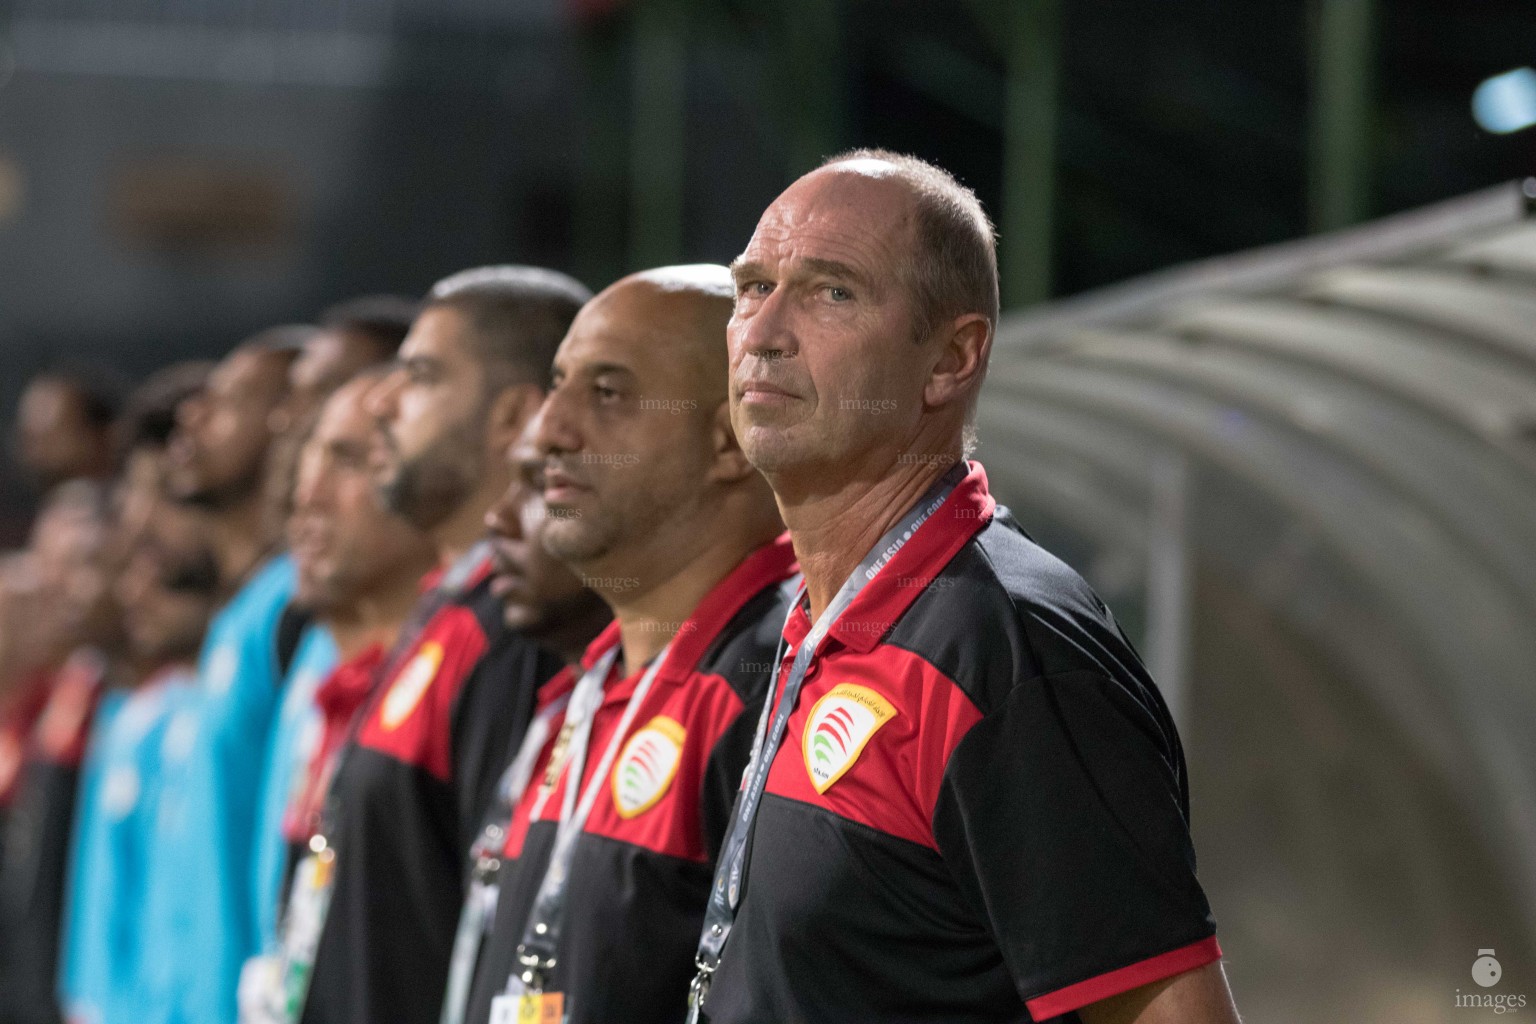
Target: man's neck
column 373, row 618
column 466, row 526
column 577, row 626
column 651, row 613
column 238, row 541
column 834, row 529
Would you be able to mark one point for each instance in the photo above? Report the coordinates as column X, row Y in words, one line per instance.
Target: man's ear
column 511, row 409
column 729, row 464
column 965, row 347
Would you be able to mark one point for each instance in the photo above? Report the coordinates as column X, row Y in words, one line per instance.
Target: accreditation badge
column 309, row 900
column 517, row 1006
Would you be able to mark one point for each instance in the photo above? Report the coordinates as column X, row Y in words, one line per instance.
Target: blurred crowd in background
column 1252, row 463
column 159, row 503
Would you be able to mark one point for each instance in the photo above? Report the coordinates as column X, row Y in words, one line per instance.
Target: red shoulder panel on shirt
column 411, row 718
column 651, row 797
column 870, row 738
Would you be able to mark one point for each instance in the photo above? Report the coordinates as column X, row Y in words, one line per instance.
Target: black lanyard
column 725, row 894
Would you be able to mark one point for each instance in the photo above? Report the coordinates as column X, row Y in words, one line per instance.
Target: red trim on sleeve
column 1144, row 972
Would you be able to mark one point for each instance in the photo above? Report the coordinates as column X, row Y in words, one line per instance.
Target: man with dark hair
column 143, row 435
column 352, row 335
column 514, row 311
column 409, row 789
column 198, row 907
column 969, row 801
column 359, row 569
column 166, row 591
column 355, row 340
column 617, row 803
column 384, row 320
column 64, row 425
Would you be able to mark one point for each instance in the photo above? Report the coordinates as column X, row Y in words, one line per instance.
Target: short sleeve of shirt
column 1063, row 816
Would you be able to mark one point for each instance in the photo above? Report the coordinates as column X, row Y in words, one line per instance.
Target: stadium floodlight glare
column 1506, row 103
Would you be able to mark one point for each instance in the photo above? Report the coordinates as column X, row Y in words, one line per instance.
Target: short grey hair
column 953, row 268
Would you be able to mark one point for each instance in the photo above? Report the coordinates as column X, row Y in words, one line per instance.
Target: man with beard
column 969, row 802
column 353, row 336
column 409, row 789
column 359, row 571
column 71, row 545
column 620, row 793
column 199, row 904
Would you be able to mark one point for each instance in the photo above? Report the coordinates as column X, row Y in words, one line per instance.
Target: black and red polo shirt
column 40, row 823
column 642, row 865
column 408, row 797
column 979, row 810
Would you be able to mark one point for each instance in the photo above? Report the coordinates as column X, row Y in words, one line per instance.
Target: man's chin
column 522, row 618
column 576, row 542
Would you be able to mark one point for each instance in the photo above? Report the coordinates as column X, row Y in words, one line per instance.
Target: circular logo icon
column 1485, row 969
column 647, row 766
column 411, row 685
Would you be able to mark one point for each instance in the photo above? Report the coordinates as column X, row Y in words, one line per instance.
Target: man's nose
column 381, row 400
column 502, row 518
column 768, row 333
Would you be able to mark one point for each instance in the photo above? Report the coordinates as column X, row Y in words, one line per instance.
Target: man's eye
column 837, row 294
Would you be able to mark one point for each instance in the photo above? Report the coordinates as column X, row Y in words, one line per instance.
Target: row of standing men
column 639, row 753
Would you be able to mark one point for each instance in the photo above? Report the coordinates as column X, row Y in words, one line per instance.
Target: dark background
column 175, row 174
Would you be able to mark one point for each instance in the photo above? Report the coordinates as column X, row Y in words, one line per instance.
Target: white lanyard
column 536, row 953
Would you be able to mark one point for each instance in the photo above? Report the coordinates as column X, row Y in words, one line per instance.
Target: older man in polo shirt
column 969, row 802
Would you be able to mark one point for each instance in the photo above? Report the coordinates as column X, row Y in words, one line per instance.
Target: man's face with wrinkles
column 823, row 362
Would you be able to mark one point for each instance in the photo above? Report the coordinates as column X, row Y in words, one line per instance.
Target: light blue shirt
column 294, row 738
column 113, row 845
column 199, row 906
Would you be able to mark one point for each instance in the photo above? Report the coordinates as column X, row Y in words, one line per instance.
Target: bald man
column 971, row 804
column 625, row 784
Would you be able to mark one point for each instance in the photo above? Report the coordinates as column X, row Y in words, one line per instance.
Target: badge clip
column 698, row 988
column 535, row 969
